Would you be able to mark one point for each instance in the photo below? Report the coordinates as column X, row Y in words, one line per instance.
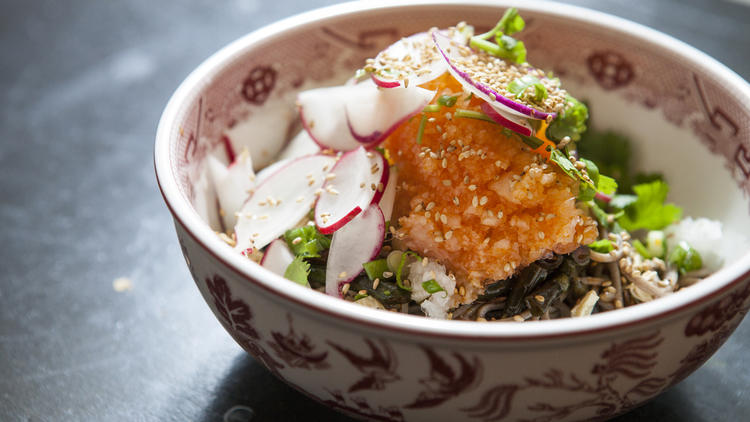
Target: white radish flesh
column 233, row 184
column 395, row 66
column 281, row 201
column 343, row 118
column 453, row 53
column 300, row 145
column 357, row 180
column 356, row 243
column 277, row 257
column 378, row 112
column 389, row 195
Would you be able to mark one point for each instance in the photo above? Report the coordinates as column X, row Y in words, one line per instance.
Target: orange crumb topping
column 482, row 203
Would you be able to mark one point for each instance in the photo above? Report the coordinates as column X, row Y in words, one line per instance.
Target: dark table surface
column 82, row 85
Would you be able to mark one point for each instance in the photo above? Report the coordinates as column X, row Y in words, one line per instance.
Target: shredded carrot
column 545, row 149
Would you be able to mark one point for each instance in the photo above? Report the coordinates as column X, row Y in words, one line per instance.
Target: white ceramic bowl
column 690, row 117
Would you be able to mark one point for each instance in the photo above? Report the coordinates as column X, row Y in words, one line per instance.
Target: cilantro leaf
column 298, row 271
column 519, row 86
column 511, row 49
column 571, row 122
column 307, row 241
column 507, row 47
column 511, row 22
column 649, row 211
column 606, row 185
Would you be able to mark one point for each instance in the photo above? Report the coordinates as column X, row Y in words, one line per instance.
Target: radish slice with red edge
column 357, row 242
column 454, row 53
column 395, row 66
column 516, row 124
column 357, row 180
column 277, row 257
column 281, row 201
column 343, row 118
column 389, row 195
column 232, row 183
column 378, row 112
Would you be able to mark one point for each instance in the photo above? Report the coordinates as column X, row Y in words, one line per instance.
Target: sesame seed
column 472, row 187
column 507, row 268
column 455, row 200
column 296, row 240
column 518, row 318
column 345, row 289
column 498, row 163
column 446, row 182
column 539, row 298
column 431, row 119
column 342, row 274
column 444, row 219
column 430, row 206
column 387, row 274
column 449, row 234
column 375, row 283
column 462, row 291
column 427, row 214
column 483, row 200
column 311, row 182
column 419, row 208
column 474, row 201
column 330, row 176
column 300, row 199
column 362, row 185
column 445, row 163
column 540, row 235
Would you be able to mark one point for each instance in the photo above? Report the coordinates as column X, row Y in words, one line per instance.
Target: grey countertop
column 83, row 84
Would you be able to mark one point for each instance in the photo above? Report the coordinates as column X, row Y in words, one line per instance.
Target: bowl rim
column 183, row 213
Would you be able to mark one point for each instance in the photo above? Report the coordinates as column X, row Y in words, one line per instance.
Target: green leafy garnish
column 447, row 100
column 558, row 157
column 519, row 86
column 360, row 296
column 606, row 185
column 307, row 241
column 298, row 271
column 431, row 108
column 649, row 211
column 685, row 258
column 571, row 122
column 376, row 268
column 432, row 286
column 602, row 246
column 507, row 47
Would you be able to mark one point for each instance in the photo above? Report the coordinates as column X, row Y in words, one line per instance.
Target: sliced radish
column 277, row 257
column 344, row 117
column 389, row 195
column 281, row 201
column 514, row 123
column 273, row 168
column 233, row 184
column 454, row 53
column 378, row 112
column 301, row 144
column 355, row 244
column 356, row 181
column 263, row 132
column 412, row 61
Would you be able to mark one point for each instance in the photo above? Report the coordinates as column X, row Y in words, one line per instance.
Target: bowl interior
column 685, row 113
